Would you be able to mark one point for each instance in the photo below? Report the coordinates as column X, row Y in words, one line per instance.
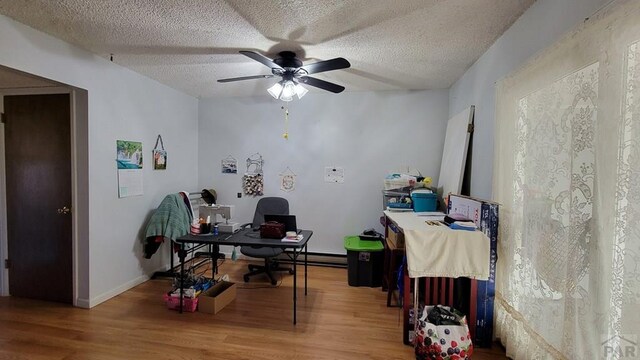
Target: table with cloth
column 436, row 251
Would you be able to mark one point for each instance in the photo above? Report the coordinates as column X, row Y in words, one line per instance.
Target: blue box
column 487, row 289
column 424, row 201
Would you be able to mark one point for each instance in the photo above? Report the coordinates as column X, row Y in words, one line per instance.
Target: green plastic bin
column 364, row 261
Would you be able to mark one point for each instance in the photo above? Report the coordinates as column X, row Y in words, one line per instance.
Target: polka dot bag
column 442, row 336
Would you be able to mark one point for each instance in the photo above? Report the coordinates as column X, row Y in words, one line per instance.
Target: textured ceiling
column 189, row 44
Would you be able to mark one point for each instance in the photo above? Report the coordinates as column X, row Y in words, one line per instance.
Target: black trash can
column 364, row 261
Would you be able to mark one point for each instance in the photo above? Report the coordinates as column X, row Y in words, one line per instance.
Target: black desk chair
column 271, row 206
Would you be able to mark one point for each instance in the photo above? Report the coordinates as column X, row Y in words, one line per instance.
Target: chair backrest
column 269, row 205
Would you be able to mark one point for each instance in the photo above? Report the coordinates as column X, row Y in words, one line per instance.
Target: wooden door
column 38, row 172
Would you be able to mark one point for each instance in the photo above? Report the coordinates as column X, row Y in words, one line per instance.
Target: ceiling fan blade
column 261, row 59
column 324, row 85
column 245, row 78
column 327, row 65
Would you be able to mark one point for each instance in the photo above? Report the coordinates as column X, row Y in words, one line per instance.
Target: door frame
column 76, row 206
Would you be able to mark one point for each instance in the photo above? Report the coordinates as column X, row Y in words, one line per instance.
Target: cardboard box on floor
column 217, row 297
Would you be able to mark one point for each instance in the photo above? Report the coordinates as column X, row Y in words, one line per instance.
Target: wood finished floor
column 335, row 321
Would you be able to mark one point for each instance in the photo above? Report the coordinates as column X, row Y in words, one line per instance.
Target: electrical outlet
column 239, row 195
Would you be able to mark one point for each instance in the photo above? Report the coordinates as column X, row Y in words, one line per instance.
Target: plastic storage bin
column 395, row 197
column 424, row 200
column 364, row 261
column 173, row 303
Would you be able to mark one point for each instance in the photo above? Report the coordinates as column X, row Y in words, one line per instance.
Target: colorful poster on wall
column 129, row 160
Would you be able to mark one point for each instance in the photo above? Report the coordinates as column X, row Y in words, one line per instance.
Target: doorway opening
column 43, row 189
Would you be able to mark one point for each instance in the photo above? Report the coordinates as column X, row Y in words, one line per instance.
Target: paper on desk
column 297, row 239
column 399, row 209
column 430, row 213
column 432, row 218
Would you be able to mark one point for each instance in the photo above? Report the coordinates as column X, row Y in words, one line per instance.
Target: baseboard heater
column 317, row 259
column 313, row 259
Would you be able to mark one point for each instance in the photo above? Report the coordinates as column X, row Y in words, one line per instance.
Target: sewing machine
column 226, row 211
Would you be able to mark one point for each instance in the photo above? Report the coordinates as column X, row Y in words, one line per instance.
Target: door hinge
column 7, row 263
column 3, row 118
column 470, row 128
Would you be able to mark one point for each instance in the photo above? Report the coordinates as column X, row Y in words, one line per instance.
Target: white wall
column 122, row 105
column 540, row 26
column 368, row 133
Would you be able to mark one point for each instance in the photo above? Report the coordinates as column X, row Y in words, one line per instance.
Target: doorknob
column 65, row 210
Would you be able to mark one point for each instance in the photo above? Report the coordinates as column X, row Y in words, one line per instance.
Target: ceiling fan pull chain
column 286, row 123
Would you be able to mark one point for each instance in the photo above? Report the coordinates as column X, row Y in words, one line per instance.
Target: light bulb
column 288, row 91
column 300, row 91
column 275, row 90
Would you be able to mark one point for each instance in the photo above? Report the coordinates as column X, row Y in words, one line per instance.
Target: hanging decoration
column 286, row 123
column 253, row 180
column 287, row 180
column 159, row 155
column 253, row 184
column 255, row 160
column 229, row 165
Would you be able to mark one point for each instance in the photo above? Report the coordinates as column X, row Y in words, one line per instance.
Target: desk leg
column 181, row 255
column 305, row 269
column 295, row 275
column 472, row 308
column 406, row 304
column 214, row 261
column 216, row 255
column 416, row 306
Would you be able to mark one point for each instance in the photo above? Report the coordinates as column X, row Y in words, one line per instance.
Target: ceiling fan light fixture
column 288, row 90
column 275, row 90
column 290, row 68
column 300, row 90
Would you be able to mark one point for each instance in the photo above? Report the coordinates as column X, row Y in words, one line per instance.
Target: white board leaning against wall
column 454, row 154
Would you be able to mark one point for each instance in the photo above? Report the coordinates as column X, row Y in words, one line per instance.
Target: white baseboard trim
column 83, row 303
column 113, row 292
column 89, row 303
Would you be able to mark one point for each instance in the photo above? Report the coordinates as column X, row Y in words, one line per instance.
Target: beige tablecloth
column 437, row 251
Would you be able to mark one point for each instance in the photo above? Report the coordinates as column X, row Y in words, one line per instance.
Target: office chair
column 267, row 205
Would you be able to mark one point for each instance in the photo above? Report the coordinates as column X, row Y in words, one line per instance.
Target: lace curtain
column 567, row 175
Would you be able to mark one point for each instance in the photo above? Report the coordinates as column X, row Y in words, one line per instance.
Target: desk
column 251, row 238
column 436, row 253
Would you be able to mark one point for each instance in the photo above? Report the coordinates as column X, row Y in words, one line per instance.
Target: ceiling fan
column 293, row 73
